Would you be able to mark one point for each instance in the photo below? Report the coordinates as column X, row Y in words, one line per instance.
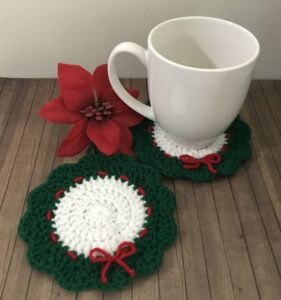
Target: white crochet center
column 102, row 212
column 166, row 143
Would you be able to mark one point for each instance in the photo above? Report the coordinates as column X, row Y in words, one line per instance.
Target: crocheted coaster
column 98, row 223
column 155, row 147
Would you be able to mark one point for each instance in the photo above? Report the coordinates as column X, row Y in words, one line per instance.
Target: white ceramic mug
column 199, row 72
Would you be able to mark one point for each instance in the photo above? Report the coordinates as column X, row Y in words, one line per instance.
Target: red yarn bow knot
column 209, row 160
column 124, row 250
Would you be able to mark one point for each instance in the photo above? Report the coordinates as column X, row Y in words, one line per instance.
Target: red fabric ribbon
column 209, row 160
column 124, row 250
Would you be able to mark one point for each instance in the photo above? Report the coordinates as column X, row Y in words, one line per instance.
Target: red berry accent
column 102, row 173
column 224, row 148
column 72, row 255
column 59, row 193
column 143, row 232
column 53, row 237
column 154, row 144
column 149, row 211
column 49, row 215
column 150, row 129
column 125, row 178
column 78, row 179
column 141, row 191
column 167, row 155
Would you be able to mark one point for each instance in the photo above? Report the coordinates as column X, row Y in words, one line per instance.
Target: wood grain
column 171, row 275
column 229, row 233
column 10, row 96
column 19, row 181
column 242, row 277
column 265, row 179
column 216, row 262
column 194, row 257
column 262, row 259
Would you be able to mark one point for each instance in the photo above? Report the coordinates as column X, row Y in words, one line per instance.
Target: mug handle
column 133, row 103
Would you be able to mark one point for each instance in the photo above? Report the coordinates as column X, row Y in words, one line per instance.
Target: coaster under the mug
column 155, row 147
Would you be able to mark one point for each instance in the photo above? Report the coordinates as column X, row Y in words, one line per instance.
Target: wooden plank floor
column 229, row 235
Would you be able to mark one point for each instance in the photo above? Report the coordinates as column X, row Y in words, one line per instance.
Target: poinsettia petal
column 74, row 71
column 76, row 86
column 75, row 141
column 119, row 105
column 101, row 80
column 76, row 93
column 126, row 141
column 110, row 96
column 105, row 135
column 56, row 112
column 129, row 118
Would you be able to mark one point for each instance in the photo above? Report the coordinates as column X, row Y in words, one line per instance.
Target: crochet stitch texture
column 167, row 144
column 102, row 211
column 131, row 212
column 235, row 150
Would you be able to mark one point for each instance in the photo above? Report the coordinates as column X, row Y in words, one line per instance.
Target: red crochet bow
column 124, row 250
column 190, row 162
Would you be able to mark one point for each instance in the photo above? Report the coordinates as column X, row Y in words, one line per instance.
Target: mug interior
column 204, row 43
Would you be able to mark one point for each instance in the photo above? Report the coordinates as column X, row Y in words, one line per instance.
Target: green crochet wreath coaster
column 98, row 223
column 154, row 147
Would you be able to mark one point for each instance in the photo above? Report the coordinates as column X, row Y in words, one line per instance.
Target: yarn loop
column 190, row 162
column 124, row 250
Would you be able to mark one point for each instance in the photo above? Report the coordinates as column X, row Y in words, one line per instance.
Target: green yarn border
column 239, row 149
column 81, row 274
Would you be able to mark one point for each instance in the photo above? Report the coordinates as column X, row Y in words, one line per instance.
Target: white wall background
column 36, row 34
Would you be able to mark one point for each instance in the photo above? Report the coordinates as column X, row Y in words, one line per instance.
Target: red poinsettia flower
column 98, row 115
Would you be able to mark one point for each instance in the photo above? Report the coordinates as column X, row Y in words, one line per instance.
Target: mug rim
column 186, row 67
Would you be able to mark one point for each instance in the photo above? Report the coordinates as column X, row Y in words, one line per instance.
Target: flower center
column 98, row 111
